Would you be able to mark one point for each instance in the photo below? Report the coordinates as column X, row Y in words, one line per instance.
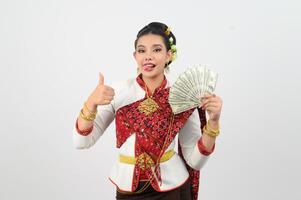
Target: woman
column 148, row 167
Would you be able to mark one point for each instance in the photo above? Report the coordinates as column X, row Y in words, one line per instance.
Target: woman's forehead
column 150, row 40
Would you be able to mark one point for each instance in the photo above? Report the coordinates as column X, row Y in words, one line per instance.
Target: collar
column 146, row 89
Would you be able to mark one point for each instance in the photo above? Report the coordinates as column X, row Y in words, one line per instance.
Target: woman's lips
column 148, row 67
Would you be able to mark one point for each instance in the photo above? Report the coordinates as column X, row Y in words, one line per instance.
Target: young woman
column 148, row 166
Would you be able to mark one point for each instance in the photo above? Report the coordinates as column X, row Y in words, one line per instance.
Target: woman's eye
column 157, row 50
column 140, row 51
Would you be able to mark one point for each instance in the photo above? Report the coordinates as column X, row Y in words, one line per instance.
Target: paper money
column 190, row 87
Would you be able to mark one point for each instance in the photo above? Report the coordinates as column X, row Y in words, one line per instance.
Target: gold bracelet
column 211, row 129
column 210, row 132
column 91, row 112
column 87, row 118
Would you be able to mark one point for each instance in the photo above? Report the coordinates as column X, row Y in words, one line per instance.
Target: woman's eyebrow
column 155, row 45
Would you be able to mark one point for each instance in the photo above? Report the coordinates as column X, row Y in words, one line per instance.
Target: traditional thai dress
column 146, row 130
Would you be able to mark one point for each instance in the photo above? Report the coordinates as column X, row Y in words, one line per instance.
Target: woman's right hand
column 102, row 95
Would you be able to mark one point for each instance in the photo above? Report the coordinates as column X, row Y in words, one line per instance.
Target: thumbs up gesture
column 102, row 94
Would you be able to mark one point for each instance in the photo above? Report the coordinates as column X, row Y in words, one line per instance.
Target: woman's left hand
column 213, row 105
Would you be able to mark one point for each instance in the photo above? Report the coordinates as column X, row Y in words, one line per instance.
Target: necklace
column 148, row 106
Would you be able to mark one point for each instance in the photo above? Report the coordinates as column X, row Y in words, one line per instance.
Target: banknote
column 190, row 87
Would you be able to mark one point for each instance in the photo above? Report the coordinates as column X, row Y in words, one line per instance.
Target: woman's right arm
column 89, row 128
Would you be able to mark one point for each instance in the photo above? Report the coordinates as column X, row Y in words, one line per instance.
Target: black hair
column 157, row 28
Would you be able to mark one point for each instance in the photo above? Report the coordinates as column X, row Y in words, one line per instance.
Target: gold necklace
column 148, row 106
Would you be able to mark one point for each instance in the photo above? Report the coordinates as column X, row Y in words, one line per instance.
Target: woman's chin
column 151, row 74
column 147, row 74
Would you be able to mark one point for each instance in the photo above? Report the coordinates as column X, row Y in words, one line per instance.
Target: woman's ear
column 169, row 55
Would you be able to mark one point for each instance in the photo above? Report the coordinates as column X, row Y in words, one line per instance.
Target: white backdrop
column 50, row 56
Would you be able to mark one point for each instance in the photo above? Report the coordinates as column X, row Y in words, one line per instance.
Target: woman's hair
column 161, row 29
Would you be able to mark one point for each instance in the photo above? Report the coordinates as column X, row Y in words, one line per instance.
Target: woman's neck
column 153, row 82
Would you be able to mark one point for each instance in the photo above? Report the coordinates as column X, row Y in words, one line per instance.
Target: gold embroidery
column 144, row 161
column 148, row 106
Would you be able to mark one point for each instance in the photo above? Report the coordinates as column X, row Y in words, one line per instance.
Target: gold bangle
column 87, row 118
column 91, row 112
column 211, row 129
column 210, row 132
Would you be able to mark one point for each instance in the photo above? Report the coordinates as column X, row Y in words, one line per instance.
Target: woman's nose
column 148, row 56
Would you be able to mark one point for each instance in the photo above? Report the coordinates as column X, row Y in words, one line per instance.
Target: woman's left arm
column 213, row 105
column 197, row 147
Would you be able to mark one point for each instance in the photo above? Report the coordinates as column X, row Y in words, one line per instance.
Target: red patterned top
column 154, row 133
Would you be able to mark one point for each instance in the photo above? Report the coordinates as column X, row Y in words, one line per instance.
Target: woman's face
column 151, row 55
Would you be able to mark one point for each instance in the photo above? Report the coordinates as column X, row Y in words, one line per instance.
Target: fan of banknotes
column 190, row 87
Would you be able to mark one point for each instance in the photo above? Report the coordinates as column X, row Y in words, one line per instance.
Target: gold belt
column 145, row 161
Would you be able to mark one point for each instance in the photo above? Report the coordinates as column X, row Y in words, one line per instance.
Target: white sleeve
column 105, row 115
column 188, row 137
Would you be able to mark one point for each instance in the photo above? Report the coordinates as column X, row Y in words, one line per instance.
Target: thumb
column 101, row 79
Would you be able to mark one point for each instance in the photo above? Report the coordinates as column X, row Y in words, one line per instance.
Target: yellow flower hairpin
column 172, row 45
column 167, row 32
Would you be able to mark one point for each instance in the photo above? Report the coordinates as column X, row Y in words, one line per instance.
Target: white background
column 50, row 56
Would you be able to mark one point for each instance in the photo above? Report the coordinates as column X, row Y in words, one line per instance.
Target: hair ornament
column 167, row 32
column 174, row 52
column 172, row 45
